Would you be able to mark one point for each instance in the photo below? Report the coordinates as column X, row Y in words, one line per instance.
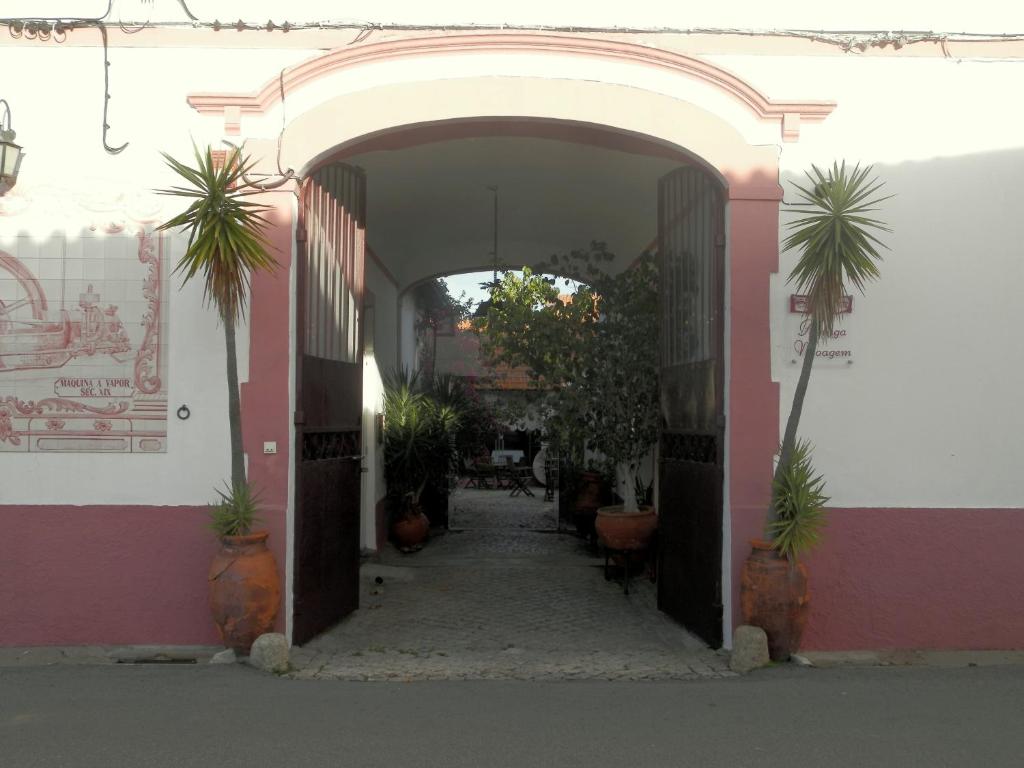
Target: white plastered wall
column 927, row 414
column 379, row 357
column 57, row 113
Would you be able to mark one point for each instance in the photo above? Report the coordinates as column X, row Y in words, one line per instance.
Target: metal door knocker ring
column 184, row 413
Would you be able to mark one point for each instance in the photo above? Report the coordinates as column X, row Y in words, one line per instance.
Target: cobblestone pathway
column 470, row 508
column 503, row 600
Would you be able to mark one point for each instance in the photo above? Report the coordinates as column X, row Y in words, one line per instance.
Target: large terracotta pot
column 245, row 590
column 411, row 530
column 773, row 596
column 625, row 530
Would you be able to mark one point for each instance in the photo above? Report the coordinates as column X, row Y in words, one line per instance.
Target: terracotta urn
column 245, row 590
column 625, row 530
column 411, row 530
column 774, row 597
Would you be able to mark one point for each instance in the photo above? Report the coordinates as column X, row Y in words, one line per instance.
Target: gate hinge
column 719, row 240
column 300, row 418
column 721, row 421
column 300, row 234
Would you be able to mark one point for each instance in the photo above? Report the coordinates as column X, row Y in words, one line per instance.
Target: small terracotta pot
column 245, row 590
column 411, row 530
column 625, row 530
column 774, row 597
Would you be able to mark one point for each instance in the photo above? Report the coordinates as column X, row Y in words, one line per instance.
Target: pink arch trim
column 788, row 114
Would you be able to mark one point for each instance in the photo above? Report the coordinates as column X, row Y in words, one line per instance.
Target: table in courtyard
column 499, row 455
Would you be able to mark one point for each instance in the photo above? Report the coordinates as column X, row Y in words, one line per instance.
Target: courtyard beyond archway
column 503, row 596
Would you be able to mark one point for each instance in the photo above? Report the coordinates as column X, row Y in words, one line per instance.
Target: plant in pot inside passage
column 595, row 356
column 527, row 323
column 621, row 386
column 835, row 234
column 226, row 244
column 419, row 451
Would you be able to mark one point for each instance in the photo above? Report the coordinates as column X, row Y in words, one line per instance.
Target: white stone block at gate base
column 270, row 653
column 749, row 649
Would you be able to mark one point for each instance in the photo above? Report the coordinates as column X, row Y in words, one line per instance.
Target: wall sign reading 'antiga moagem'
column 835, row 350
column 83, row 352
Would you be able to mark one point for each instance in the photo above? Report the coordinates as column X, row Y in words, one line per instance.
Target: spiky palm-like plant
column 838, row 250
column 420, row 425
column 798, row 501
column 226, row 243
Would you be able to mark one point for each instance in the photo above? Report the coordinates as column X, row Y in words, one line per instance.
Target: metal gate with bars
column 328, row 398
column 691, row 244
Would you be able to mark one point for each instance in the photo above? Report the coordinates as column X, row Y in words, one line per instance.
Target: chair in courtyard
column 518, row 477
column 475, row 478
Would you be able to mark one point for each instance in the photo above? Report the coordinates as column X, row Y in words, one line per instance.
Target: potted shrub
column 835, row 234
column 244, row 586
column 419, row 448
column 596, row 357
column 622, row 389
column 453, row 405
column 226, row 242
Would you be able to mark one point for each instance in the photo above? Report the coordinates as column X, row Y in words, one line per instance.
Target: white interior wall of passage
column 407, row 331
column 380, row 356
column 371, row 405
column 432, row 212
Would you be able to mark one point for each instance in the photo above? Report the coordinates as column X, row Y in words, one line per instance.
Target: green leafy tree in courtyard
column 595, row 355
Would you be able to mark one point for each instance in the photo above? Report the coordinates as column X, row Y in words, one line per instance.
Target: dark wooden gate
column 691, row 254
column 328, row 398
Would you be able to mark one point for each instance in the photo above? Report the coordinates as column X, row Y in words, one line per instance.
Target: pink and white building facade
column 113, row 426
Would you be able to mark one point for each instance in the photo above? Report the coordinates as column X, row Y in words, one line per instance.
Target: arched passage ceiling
column 430, row 212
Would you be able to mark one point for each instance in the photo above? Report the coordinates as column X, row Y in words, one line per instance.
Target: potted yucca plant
column 419, row 451
column 835, row 235
column 226, row 243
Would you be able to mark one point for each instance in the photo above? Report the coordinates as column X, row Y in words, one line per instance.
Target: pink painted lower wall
column 883, row 578
column 916, row 578
column 109, row 575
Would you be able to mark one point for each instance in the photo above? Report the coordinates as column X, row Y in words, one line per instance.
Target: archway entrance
column 428, row 211
column 372, row 89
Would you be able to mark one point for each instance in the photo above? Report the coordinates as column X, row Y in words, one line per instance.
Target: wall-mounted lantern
column 10, row 153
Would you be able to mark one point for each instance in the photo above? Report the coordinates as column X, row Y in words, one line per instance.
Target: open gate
column 691, row 244
column 328, row 398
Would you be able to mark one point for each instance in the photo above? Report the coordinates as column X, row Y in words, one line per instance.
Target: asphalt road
column 181, row 716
